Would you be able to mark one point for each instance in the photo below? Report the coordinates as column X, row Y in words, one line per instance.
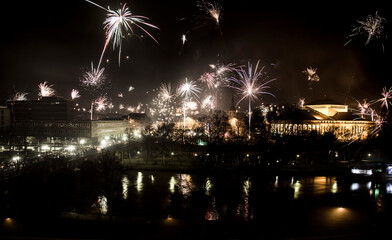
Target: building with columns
column 323, row 116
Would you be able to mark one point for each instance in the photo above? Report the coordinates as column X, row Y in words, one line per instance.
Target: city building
column 43, row 109
column 5, row 119
column 48, row 124
column 321, row 116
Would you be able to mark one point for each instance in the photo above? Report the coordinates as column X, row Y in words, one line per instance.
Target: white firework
column 75, row 94
column 372, row 27
column 119, row 22
column 45, row 90
column 20, row 96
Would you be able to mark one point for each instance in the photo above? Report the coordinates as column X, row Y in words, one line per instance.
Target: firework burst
column 119, row 22
column 94, row 78
column 312, row 75
column 372, row 28
column 101, row 103
column 75, row 94
column 210, row 79
column 166, row 92
column 45, row 90
column 20, row 96
column 212, row 9
column 386, row 98
column 189, row 90
column 248, row 85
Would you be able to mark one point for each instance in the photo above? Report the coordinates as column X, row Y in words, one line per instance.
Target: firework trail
column 118, row 22
column 372, row 28
column 20, row 96
column 75, row 94
column 45, row 90
column 248, row 86
column 311, row 76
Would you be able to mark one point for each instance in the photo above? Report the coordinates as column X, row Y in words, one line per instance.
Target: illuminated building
column 49, row 123
column 323, row 116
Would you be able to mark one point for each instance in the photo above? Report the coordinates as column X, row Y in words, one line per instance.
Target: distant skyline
column 57, row 43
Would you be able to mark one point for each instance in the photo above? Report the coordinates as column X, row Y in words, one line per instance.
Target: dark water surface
column 167, row 205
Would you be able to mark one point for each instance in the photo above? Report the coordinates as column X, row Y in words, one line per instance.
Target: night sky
column 56, row 43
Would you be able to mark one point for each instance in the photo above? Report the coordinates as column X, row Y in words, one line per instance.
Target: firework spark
column 130, row 88
column 208, row 103
column 94, row 78
column 212, row 9
column 301, row 102
column 386, row 98
column 248, row 85
column 119, row 22
column 188, row 90
column 209, row 79
column 20, row 96
column 75, row 94
column 312, row 76
column 45, row 90
column 101, row 103
column 166, row 92
column 372, row 27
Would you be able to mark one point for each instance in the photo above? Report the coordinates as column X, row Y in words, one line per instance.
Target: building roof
column 347, row 116
column 297, row 115
column 324, row 101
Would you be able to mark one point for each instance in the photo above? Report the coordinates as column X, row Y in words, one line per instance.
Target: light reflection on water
column 177, row 191
column 102, row 204
column 139, row 182
column 172, row 184
column 125, row 185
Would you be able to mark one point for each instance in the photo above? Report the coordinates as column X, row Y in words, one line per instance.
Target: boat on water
column 371, row 169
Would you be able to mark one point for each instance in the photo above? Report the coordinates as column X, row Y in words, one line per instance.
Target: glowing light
column 362, row 171
column 183, row 39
